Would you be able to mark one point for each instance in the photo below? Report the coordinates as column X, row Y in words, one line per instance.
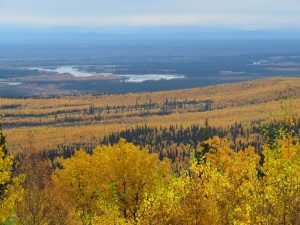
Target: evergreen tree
column 2, row 141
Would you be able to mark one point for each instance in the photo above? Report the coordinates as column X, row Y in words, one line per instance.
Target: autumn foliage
column 111, row 184
column 10, row 186
column 228, row 188
column 123, row 184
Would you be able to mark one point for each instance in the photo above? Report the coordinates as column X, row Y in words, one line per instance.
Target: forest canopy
column 125, row 184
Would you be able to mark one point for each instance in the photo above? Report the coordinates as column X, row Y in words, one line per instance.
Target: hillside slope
column 84, row 120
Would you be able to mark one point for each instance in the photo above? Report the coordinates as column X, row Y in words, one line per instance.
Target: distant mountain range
column 26, row 35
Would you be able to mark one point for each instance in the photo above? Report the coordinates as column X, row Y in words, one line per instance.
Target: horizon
column 140, row 34
column 42, row 21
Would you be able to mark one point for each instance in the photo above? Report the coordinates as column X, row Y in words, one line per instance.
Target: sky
column 243, row 14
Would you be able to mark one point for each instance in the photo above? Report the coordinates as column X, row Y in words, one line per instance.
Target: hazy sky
column 246, row 14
